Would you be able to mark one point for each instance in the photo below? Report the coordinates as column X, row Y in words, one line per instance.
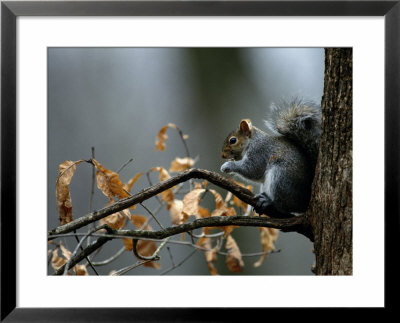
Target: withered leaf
column 181, row 164
column 57, row 261
column 221, row 209
column 167, row 195
column 144, row 247
column 80, row 270
column 65, row 252
column 139, row 221
column 210, row 254
column 203, row 213
column 174, row 126
column 64, row 204
column 175, row 212
column 234, row 260
column 191, row 202
column 161, row 138
column 239, row 202
column 133, row 180
column 116, row 220
column 268, row 237
column 109, row 182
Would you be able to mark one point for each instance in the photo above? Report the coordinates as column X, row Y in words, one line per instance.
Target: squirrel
column 282, row 161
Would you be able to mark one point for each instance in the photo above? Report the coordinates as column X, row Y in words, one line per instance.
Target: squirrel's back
column 298, row 120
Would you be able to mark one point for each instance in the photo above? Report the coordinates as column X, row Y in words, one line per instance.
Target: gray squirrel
column 282, row 161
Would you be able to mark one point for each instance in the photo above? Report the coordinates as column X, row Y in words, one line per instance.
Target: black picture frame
column 10, row 10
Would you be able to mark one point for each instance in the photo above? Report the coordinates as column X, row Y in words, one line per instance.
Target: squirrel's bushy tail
column 298, row 120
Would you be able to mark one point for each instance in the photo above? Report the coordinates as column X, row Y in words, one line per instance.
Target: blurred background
column 117, row 99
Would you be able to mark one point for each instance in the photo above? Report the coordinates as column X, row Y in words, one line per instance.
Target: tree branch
column 295, row 224
column 242, row 193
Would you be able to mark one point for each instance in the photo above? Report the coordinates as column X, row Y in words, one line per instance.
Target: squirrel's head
column 236, row 141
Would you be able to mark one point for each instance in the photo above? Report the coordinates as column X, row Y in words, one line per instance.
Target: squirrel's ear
column 245, row 126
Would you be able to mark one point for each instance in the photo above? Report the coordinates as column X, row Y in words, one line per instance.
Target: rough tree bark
column 330, row 211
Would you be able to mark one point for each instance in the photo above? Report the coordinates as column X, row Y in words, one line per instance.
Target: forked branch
column 298, row 224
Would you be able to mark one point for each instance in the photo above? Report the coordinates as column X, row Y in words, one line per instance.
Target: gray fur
column 283, row 162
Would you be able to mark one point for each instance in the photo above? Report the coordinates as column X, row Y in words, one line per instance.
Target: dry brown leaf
column 65, row 252
column 239, row 202
column 115, row 221
column 210, row 254
column 167, row 195
column 147, row 248
column 64, row 204
column 80, row 270
column 268, row 237
column 203, row 213
column 57, row 261
column 128, row 243
column 191, row 202
column 197, row 185
column 173, row 125
column 163, row 173
column 228, row 196
column 181, row 164
column 144, row 247
column 234, row 260
column 219, row 202
column 175, row 212
column 133, row 180
column 221, row 209
column 138, row 221
column 161, row 138
column 109, row 182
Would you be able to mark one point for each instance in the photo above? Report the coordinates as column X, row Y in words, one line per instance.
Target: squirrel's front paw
column 226, row 167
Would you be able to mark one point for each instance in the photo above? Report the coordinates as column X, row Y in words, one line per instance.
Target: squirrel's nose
column 223, row 155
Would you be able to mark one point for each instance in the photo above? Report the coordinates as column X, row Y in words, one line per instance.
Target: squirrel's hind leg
column 265, row 206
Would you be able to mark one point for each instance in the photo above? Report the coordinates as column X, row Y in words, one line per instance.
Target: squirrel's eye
column 232, row 141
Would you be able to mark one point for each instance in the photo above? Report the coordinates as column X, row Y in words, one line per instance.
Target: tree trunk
column 331, row 206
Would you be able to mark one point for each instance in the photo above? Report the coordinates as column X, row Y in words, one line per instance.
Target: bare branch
column 298, row 224
column 295, row 224
column 242, row 193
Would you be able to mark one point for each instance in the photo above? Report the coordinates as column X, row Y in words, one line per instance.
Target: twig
column 170, row 256
column 105, row 238
column 87, row 258
column 91, row 196
column 180, row 263
column 182, row 138
column 86, row 252
column 92, row 185
column 151, row 184
column 124, row 165
column 187, row 243
column 124, row 270
column 154, row 217
column 154, row 256
column 109, row 260
column 79, row 245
